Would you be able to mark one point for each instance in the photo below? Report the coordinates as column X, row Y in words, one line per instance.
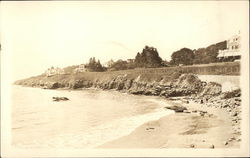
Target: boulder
column 128, row 84
column 211, row 146
column 225, row 142
column 188, row 81
column 75, row 84
column 52, row 85
column 186, row 84
column 186, row 111
column 60, row 98
column 231, row 94
column 211, row 89
column 176, row 108
column 192, row 146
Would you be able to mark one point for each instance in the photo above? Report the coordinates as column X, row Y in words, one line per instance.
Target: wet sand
column 183, row 130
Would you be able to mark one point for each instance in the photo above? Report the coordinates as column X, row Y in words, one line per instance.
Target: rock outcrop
column 211, row 89
column 168, row 86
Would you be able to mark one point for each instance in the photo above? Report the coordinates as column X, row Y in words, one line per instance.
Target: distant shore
column 89, row 79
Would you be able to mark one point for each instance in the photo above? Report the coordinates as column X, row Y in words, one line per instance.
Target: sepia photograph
column 124, row 78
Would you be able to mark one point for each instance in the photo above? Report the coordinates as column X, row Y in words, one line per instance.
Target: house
column 81, row 68
column 232, row 52
column 54, row 71
column 130, row 60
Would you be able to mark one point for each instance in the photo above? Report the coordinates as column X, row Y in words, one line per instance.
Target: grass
column 146, row 74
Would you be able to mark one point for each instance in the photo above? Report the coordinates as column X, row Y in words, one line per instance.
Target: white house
column 233, row 48
column 130, row 60
column 54, row 71
column 81, row 68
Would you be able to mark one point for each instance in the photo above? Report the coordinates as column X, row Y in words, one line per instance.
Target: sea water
column 227, row 82
column 89, row 119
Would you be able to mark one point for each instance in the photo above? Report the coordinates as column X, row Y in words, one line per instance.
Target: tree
column 148, row 58
column 199, row 56
column 94, row 65
column 130, row 63
column 119, row 65
column 138, row 60
column 183, row 56
column 110, row 63
column 209, row 54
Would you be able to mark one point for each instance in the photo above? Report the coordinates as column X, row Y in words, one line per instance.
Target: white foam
column 228, row 83
column 228, row 86
column 96, row 136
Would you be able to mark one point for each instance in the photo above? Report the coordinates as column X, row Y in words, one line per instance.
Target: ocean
column 227, row 82
column 90, row 118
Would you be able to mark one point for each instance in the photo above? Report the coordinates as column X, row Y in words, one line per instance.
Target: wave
column 96, row 136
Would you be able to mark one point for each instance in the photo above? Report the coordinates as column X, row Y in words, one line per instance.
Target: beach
column 183, row 130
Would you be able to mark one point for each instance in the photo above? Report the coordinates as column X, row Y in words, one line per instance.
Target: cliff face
column 153, row 81
column 168, row 82
column 170, row 85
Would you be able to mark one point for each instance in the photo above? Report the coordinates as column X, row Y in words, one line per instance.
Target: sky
column 37, row 35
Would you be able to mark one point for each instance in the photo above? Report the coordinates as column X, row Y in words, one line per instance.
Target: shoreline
column 188, row 129
column 183, row 130
column 210, row 112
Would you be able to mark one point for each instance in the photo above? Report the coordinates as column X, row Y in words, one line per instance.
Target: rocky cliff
column 171, row 85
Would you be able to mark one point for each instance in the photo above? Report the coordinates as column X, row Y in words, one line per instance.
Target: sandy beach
column 183, row 130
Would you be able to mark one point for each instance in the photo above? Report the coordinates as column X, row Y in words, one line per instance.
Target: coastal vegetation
column 94, row 65
column 183, row 56
column 208, row 54
column 150, row 58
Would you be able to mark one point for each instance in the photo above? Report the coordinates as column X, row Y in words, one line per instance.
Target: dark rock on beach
column 176, row 108
column 60, row 98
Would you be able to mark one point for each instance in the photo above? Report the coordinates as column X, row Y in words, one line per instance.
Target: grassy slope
column 147, row 75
